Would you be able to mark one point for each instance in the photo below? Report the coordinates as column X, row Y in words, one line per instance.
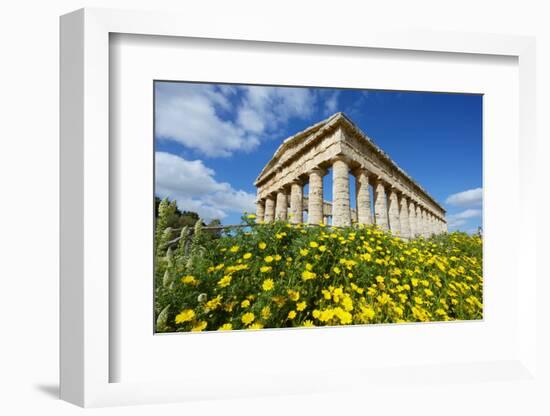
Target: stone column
column 380, row 206
column 393, row 212
column 269, row 209
column 315, row 197
column 404, row 217
column 429, row 220
column 281, row 209
column 412, row 219
column 260, row 211
column 341, row 215
column 296, row 202
column 419, row 221
column 425, row 224
column 427, row 231
column 362, row 202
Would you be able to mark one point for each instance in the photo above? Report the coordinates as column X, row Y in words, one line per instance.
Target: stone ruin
column 400, row 205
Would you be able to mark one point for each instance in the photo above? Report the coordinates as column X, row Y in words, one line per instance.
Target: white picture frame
column 85, row 212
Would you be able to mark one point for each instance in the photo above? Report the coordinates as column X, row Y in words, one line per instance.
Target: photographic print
column 287, row 206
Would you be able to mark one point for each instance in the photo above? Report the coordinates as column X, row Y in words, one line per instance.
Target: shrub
column 281, row 275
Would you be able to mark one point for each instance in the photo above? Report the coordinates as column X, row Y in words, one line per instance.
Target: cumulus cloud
column 265, row 109
column 461, row 218
column 218, row 120
column 194, row 187
column 467, row 199
column 190, row 114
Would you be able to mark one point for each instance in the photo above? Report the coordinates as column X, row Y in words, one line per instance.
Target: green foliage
column 278, row 275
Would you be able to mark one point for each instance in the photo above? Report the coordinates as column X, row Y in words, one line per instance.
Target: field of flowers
column 281, row 275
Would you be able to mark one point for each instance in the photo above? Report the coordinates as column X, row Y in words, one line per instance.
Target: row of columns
column 393, row 210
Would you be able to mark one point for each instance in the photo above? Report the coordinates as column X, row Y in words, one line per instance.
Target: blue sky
column 212, row 140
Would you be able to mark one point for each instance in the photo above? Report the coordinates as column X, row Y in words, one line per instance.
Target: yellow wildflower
column 189, row 280
column 266, row 312
column 267, row 285
column 307, row 275
column 185, row 316
column 224, row 281
column 199, row 326
column 214, row 303
column 247, row 318
column 366, row 314
column 383, row 299
column 398, row 310
column 293, row 294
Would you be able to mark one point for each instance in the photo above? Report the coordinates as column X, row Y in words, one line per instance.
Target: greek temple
column 399, row 204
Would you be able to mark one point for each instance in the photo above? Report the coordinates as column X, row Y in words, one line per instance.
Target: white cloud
column 250, row 120
column 216, row 121
column 194, row 187
column 461, row 218
column 468, row 213
column 266, row 109
column 331, row 103
column 466, row 199
column 189, row 114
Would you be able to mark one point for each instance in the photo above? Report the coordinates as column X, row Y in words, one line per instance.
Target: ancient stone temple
column 399, row 203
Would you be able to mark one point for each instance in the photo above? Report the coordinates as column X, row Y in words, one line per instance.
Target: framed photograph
column 322, row 228
column 286, row 213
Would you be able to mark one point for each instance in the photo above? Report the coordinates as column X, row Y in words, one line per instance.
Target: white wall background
column 29, row 180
